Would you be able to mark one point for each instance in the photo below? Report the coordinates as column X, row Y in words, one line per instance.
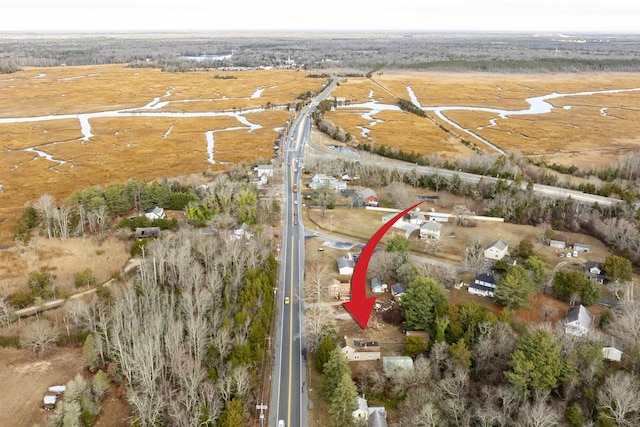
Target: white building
column 321, row 179
column 496, row 250
column 578, row 321
column 430, row 229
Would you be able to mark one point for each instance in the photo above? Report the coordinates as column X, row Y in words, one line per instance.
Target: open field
column 63, row 259
column 586, row 130
column 25, row 379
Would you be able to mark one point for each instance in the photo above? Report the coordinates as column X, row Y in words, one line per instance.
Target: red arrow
column 360, row 306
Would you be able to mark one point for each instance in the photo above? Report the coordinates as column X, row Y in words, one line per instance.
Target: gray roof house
column 146, row 232
column 155, row 213
column 578, row 321
column 430, row 229
column 496, row 250
column 345, row 265
column 398, row 290
column 377, row 287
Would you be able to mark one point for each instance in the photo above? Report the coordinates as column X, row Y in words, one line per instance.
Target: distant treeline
column 359, row 53
column 528, row 65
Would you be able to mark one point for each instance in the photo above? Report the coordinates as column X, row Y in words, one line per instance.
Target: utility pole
column 261, row 408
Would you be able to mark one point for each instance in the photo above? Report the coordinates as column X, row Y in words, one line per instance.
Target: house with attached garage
column 484, row 284
column 578, row 321
column 496, row 250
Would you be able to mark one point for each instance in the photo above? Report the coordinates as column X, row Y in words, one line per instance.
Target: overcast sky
column 329, row 15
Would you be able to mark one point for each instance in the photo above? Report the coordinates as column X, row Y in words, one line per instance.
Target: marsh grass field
column 148, row 124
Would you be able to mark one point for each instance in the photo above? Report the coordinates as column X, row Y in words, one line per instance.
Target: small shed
column 147, row 232
column 558, row 244
column 612, row 349
column 377, row 287
column 398, row 290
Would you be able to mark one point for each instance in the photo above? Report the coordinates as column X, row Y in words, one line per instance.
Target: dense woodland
column 515, row 52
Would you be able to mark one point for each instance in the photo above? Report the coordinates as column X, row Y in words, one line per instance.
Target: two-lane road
column 288, row 392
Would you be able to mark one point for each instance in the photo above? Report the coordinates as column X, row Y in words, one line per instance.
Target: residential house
column 369, row 197
column 362, row 411
column 484, row 284
column 414, row 217
column 147, row 232
column 376, row 416
column 391, row 364
column 346, row 264
column 155, row 213
column 593, row 271
column 340, row 290
column 377, row 287
column 496, row 250
column 321, row 179
column 612, row 349
column 243, row 231
column 430, row 229
column 264, row 172
column 398, row 290
column 558, row 244
column 578, row 321
column 359, row 350
column 580, row 247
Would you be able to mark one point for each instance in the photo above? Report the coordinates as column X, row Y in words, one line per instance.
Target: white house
column 264, row 172
column 612, row 349
column 484, row 284
column 496, row 250
column 414, row 217
column 346, row 265
column 155, row 213
column 321, row 179
column 593, row 271
column 362, row 412
column 430, row 229
column 578, row 321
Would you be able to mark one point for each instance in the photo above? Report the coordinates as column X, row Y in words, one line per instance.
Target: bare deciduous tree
column 39, row 335
column 620, row 396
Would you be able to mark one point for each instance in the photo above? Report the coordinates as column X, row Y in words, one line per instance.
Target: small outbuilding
column 147, row 232
column 612, row 349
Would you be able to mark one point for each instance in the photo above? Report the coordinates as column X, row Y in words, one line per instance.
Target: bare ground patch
column 25, row 379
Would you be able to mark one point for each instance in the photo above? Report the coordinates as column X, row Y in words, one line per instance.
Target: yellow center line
column 290, row 334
